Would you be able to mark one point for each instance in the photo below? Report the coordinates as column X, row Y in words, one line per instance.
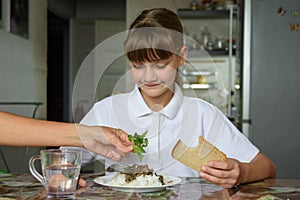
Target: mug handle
column 32, row 169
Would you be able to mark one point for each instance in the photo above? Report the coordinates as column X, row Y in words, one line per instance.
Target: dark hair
column 156, row 34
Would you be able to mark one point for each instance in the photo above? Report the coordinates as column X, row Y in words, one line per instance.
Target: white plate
column 102, row 180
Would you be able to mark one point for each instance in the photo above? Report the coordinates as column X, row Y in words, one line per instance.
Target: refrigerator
column 271, row 80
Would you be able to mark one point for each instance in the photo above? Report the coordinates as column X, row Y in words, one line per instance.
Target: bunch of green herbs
column 140, row 141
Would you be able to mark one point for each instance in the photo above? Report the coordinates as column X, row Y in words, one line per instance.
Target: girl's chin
column 153, row 93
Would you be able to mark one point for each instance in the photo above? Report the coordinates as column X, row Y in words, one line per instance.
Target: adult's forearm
column 21, row 131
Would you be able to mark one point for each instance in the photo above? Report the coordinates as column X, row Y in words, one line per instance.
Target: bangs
column 148, row 55
column 152, row 44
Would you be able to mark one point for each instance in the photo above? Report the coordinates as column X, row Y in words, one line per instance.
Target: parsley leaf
column 139, row 143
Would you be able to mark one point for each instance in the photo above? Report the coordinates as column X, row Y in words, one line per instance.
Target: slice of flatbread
column 196, row 157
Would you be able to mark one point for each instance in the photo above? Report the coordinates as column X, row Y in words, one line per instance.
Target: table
column 24, row 186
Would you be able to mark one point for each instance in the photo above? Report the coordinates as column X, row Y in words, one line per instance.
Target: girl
column 155, row 49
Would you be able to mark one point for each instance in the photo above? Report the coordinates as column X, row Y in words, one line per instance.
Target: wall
column 23, row 67
column 23, row 74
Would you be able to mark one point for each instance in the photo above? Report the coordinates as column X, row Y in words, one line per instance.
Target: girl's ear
column 183, row 55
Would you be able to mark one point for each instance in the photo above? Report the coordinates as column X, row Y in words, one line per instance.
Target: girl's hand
column 82, row 182
column 222, row 173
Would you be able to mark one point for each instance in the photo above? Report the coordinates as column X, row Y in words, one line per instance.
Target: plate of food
column 138, row 182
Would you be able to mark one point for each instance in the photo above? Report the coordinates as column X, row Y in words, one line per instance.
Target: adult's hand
column 105, row 141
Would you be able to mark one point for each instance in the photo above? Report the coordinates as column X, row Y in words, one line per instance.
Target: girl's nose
column 149, row 74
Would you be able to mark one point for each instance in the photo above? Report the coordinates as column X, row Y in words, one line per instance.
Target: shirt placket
column 155, row 131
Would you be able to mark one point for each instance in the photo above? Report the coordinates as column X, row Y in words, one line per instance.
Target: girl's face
column 156, row 79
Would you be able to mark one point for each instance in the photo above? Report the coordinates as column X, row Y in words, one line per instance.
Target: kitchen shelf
column 205, row 68
column 199, row 86
column 209, row 14
column 216, row 52
column 198, row 73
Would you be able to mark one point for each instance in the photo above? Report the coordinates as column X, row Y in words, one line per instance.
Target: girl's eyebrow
column 136, row 63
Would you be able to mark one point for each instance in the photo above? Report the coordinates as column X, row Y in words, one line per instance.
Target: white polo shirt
column 183, row 118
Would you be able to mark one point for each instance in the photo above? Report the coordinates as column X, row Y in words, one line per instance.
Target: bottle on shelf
column 205, row 36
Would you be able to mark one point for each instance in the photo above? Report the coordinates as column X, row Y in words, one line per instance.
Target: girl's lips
column 151, row 85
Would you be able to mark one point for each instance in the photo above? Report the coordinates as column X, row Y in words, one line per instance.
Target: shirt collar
column 139, row 107
column 137, row 104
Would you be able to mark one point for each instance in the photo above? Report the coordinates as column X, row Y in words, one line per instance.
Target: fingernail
column 203, row 168
column 201, row 174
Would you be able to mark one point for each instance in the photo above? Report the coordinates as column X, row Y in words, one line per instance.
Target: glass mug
column 60, row 170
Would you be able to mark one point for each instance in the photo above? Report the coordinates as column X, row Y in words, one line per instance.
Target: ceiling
column 88, row 9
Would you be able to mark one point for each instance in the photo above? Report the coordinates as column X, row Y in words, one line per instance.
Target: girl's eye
column 160, row 66
column 137, row 66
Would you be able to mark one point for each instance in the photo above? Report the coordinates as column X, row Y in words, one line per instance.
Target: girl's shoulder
column 202, row 106
column 117, row 98
column 199, row 102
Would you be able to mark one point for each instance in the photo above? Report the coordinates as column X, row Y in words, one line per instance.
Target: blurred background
column 252, row 45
